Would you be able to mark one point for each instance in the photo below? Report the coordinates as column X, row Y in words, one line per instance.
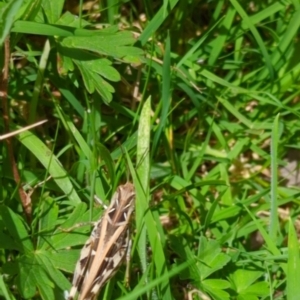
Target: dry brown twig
column 10, row 134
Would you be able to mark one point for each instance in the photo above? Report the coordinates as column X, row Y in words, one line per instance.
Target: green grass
column 195, row 102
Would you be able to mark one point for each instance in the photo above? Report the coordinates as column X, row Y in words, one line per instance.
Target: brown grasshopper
column 107, row 246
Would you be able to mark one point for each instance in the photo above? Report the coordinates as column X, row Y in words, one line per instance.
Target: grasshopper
column 107, row 246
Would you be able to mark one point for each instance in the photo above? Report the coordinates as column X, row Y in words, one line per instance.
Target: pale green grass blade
column 293, row 267
column 274, row 180
column 143, row 170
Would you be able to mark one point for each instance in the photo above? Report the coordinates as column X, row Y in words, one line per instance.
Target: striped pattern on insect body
column 107, row 246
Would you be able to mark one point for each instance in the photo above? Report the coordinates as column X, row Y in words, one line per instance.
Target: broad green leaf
column 242, row 279
column 71, row 20
column 77, row 236
column 33, row 272
column 257, row 289
column 93, row 80
column 14, row 225
column 56, row 276
column 6, row 241
column 48, row 218
column 30, row 27
column 181, row 247
column 65, row 259
column 8, row 13
column 36, row 271
column 29, row 10
column 216, row 287
column 247, row 297
column 52, row 9
column 115, row 45
column 216, row 283
column 211, row 257
column 65, row 64
column 26, row 280
column 103, row 67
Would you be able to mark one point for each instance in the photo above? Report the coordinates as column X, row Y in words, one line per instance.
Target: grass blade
column 274, row 168
column 293, row 270
column 143, row 168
